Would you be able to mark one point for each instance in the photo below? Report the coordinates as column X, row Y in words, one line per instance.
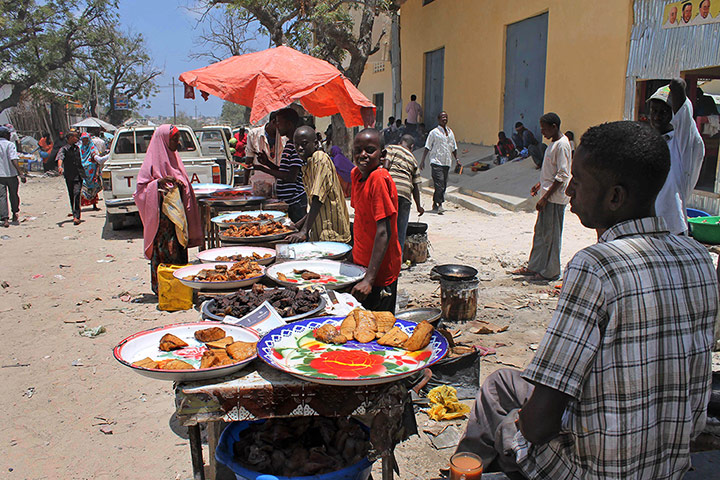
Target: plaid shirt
column 630, row 342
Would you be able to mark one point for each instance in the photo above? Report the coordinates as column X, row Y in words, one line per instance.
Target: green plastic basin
column 705, row 229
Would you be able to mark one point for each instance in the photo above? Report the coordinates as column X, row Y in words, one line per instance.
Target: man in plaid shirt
column 620, row 383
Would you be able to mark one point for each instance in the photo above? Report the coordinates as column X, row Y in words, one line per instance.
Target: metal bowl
column 432, row 315
column 414, row 228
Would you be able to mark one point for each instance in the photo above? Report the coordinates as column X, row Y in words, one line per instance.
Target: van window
column 124, row 143
column 213, row 136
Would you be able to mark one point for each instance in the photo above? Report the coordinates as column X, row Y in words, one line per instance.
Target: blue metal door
column 434, row 81
column 525, row 55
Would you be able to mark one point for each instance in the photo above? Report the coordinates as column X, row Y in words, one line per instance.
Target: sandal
column 76, row 221
column 523, row 271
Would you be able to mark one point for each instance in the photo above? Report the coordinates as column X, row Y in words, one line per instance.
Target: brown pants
column 491, row 427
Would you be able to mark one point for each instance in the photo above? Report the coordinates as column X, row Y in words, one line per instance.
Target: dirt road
column 62, row 390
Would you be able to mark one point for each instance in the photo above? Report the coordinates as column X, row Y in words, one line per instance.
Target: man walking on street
column 620, row 383
column 70, row 165
column 9, row 173
column 403, row 168
column 264, row 139
column 544, row 263
column 671, row 115
column 413, row 114
column 442, row 148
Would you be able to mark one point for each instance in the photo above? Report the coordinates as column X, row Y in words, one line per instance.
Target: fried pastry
column 384, row 320
column 211, row 334
column 171, row 342
column 329, row 333
column 176, row 365
column 146, row 362
column 222, row 343
column 347, row 327
column 366, row 329
column 395, row 337
column 282, row 277
column 307, row 274
column 215, row 358
column 420, row 337
column 241, row 350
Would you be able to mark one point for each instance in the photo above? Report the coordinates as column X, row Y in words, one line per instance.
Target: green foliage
column 234, row 114
column 182, row 118
column 39, row 38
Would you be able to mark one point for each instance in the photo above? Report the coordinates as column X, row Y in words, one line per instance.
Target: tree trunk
column 342, row 136
column 14, row 98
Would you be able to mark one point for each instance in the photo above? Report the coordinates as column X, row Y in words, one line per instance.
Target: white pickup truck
column 127, row 153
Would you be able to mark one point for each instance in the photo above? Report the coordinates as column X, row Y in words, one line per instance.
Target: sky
column 169, row 28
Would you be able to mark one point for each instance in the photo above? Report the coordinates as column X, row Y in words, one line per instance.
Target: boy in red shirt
column 376, row 245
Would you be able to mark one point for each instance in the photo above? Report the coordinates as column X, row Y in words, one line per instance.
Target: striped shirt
column 290, row 192
column 333, row 222
column 403, row 168
column 630, row 342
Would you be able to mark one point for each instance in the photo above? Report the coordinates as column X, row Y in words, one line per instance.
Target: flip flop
column 523, row 271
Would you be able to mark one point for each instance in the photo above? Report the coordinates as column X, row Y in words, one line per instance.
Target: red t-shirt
column 374, row 199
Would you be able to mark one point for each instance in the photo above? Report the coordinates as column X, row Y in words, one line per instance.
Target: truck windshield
column 125, row 143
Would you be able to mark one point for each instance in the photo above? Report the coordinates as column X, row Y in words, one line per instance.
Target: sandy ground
column 60, row 388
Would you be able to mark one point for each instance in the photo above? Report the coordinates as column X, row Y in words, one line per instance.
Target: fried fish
column 420, row 337
column 146, row 362
column 211, row 334
column 171, row 342
column 329, row 333
column 176, row 365
column 385, row 321
column 347, row 327
column 366, row 329
column 215, row 358
column 222, row 343
column 395, row 337
column 241, row 350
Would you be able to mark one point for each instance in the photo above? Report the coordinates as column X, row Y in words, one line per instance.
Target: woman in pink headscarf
column 161, row 172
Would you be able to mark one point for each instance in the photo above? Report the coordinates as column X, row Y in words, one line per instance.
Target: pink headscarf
column 161, row 162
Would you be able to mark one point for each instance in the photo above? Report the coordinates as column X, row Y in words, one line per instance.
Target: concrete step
column 454, row 195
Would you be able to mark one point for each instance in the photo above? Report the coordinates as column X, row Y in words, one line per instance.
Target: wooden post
column 196, row 454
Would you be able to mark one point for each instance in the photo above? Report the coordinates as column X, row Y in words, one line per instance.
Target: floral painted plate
column 293, row 349
column 145, row 344
column 333, row 274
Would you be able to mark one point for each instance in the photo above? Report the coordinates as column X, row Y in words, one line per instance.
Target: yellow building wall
column 587, row 51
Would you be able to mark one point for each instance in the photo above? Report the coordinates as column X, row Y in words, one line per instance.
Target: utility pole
column 395, row 65
column 174, row 104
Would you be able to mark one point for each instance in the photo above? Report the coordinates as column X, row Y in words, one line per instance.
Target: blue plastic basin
column 225, row 455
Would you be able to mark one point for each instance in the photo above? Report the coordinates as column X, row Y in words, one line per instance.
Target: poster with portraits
column 691, row 13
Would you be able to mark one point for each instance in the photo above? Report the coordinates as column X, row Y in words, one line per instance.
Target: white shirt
column 556, row 166
column 99, row 144
column 8, row 152
column 686, row 155
column 699, row 20
column 441, row 146
column 413, row 111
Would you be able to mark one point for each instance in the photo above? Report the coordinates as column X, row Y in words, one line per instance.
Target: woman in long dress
column 92, row 184
column 162, row 171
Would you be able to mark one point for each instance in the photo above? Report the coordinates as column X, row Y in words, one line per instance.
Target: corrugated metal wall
column 657, row 53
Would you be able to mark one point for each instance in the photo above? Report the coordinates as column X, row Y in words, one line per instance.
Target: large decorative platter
column 181, row 273
column 315, row 250
column 225, row 220
column 293, row 349
column 208, row 315
column 211, row 255
column 333, row 274
column 145, row 344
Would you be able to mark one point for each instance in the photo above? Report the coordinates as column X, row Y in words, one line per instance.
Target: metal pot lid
column 454, row 272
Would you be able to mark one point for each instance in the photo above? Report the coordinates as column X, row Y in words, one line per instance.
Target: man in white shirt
column 267, row 140
column 442, row 148
column 9, row 173
column 686, row 18
column 671, row 115
column 544, row 262
column 703, row 15
column 672, row 20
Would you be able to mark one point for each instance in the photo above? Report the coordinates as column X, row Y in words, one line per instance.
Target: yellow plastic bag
column 172, row 294
column 445, row 404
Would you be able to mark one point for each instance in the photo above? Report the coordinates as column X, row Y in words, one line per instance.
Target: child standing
column 328, row 219
column 375, row 200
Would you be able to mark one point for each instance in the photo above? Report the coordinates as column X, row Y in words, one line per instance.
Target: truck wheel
column 117, row 222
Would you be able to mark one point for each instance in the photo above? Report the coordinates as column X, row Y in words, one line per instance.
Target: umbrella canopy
column 274, row 78
column 94, row 122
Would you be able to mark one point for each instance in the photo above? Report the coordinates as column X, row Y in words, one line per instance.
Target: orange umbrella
column 274, row 78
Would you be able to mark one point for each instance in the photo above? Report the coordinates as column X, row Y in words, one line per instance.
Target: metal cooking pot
column 453, row 272
column 414, row 228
